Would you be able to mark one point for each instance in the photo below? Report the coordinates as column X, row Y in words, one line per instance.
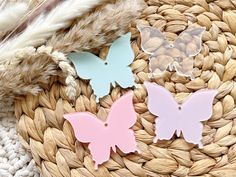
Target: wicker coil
column 51, row 140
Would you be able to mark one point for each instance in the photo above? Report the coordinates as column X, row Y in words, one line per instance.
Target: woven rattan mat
column 51, row 139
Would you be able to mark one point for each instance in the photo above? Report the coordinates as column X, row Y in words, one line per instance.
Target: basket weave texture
column 51, row 140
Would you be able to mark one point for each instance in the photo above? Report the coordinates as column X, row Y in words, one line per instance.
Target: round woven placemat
column 52, row 142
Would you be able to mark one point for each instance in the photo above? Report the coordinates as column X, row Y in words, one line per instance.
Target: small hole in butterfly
column 106, row 63
column 180, row 108
column 106, row 124
column 171, row 45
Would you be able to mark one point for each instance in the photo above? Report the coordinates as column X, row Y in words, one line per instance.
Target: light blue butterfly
column 115, row 69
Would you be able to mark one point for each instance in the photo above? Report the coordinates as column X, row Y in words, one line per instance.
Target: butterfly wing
column 189, row 44
column 121, row 53
column 89, row 129
column 197, row 108
column 192, row 40
column 122, row 114
column 126, row 78
column 121, row 118
column 151, row 39
column 162, row 104
column 160, row 101
column 119, row 58
column 193, row 133
column 100, row 152
column 80, row 122
column 127, row 143
column 89, row 66
column 184, row 67
column 199, row 105
column 153, row 42
column 101, row 88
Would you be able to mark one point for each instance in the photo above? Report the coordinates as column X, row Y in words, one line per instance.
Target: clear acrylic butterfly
column 115, row 69
column 102, row 136
column 176, row 118
column 173, row 55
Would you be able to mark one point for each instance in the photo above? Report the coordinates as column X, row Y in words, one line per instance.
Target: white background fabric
column 15, row 161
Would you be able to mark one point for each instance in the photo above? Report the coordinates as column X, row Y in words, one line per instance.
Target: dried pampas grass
column 100, row 27
column 11, row 15
column 33, row 12
column 34, row 68
column 34, row 71
column 45, row 26
column 35, row 3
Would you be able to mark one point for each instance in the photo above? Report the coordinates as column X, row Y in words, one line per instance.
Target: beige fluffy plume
column 34, row 68
column 33, row 72
column 11, row 15
column 100, row 27
column 45, row 26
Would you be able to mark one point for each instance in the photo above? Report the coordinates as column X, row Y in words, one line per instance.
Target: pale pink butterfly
column 173, row 55
column 102, row 136
column 176, row 118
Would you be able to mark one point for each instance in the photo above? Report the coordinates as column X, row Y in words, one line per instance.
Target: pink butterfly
column 173, row 117
column 102, row 136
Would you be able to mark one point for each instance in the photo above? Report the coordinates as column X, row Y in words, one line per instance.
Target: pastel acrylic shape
column 174, row 117
column 103, row 73
column 173, row 55
column 102, row 136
